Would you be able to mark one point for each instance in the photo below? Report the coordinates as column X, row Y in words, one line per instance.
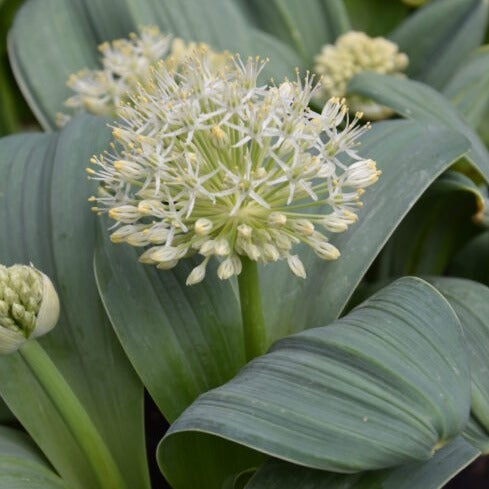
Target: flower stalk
column 74, row 415
column 255, row 334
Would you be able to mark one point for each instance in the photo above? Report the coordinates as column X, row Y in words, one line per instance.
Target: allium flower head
column 125, row 64
column 218, row 165
column 354, row 53
column 29, row 306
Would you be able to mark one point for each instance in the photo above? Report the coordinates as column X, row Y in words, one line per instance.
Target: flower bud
column 219, row 138
column 221, row 247
column 197, row 274
column 296, row 266
column 303, row 226
column 226, row 269
column 203, row 226
column 277, row 219
column 326, row 250
column 244, row 231
column 29, row 306
column 334, row 224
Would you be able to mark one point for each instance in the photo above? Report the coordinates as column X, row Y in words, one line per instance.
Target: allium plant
column 213, row 163
column 241, row 185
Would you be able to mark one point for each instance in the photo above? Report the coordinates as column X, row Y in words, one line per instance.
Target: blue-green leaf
column 438, row 37
column 386, row 385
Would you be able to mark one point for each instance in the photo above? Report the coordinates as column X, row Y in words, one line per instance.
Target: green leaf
column 468, row 89
column 472, row 261
column 68, row 33
column 417, row 101
column 411, row 155
column 306, row 26
column 43, row 192
column 470, row 300
column 22, row 466
column 432, row 474
column 439, row 224
column 386, row 385
column 476, row 435
column 189, row 336
column 364, row 15
column 438, row 37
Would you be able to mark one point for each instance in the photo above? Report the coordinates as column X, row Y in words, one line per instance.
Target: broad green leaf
column 42, row 59
column 439, row 224
column 386, row 385
column 432, row 474
column 417, row 101
column 306, row 25
column 470, row 301
column 43, row 192
column 22, row 466
column 215, row 463
column 189, row 336
column 438, row 37
column 68, row 34
column 472, row 261
column 411, row 155
column 365, row 15
column 468, row 89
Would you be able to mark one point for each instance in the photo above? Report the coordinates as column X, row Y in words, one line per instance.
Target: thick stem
column 251, row 309
column 74, row 415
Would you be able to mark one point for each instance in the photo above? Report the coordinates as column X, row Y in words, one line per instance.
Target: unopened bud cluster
column 354, row 53
column 29, row 305
column 215, row 164
column 125, row 64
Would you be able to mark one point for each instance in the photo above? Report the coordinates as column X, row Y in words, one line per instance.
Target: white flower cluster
column 217, row 165
column 125, row 64
column 354, row 53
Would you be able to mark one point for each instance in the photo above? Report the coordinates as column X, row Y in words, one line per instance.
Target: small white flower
column 296, row 266
column 198, row 273
column 226, row 269
column 216, row 164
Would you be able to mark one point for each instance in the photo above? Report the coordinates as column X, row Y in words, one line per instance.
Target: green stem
column 74, row 415
column 251, row 309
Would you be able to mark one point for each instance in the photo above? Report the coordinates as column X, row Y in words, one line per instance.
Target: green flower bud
column 29, row 306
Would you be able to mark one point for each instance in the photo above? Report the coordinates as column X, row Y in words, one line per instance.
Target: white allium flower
column 29, row 306
column 354, row 53
column 125, row 64
column 218, row 165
